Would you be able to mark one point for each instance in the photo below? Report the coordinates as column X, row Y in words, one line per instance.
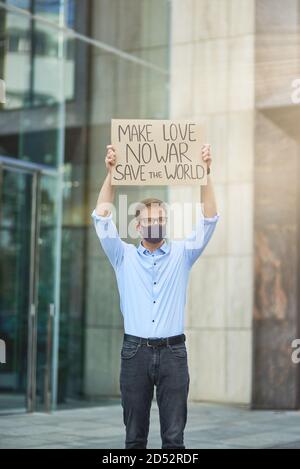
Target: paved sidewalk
column 208, row 426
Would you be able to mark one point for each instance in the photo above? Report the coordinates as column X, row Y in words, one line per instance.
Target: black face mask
column 153, row 233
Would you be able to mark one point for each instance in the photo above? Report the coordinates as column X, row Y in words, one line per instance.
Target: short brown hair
column 148, row 202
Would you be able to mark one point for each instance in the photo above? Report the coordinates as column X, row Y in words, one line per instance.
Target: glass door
column 28, row 272
column 46, row 281
column 15, row 242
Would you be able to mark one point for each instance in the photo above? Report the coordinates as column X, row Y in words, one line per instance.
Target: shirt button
column 152, row 320
column 154, row 283
column 154, row 301
column 154, row 263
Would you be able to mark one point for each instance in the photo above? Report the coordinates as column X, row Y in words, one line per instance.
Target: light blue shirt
column 152, row 286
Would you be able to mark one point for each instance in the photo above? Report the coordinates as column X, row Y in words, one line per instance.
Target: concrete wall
column 232, row 63
column 276, row 379
column 212, row 80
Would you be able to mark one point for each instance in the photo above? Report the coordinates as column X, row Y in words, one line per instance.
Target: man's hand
column 206, row 154
column 110, row 158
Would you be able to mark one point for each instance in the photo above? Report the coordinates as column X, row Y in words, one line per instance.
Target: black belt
column 150, row 342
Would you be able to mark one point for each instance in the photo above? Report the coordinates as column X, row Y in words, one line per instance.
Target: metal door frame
column 36, row 170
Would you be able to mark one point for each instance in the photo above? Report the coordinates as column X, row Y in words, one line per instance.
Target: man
column 152, row 281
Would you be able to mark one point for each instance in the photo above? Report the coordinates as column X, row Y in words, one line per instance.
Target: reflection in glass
column 61, row 95
column 15, row 237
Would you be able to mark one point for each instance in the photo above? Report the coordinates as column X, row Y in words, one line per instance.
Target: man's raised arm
column 107, row 192
column 106, row 229
column 196, row 242
column 207, row 192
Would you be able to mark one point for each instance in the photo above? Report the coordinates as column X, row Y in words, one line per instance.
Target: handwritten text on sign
column 157, row 152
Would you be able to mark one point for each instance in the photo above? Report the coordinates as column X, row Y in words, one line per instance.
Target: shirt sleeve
column 109, row 238
column 195, row 243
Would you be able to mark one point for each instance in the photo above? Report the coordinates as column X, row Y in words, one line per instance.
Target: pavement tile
column 208, row 426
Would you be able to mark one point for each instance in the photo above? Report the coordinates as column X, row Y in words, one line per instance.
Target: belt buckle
column 155, row 345
column 159, row 342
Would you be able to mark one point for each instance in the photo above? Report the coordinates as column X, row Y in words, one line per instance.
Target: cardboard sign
column 157, row 152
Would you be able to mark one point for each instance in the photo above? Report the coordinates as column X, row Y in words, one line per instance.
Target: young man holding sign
column 152, row 281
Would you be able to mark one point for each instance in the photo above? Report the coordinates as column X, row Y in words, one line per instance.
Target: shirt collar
column 164, row 247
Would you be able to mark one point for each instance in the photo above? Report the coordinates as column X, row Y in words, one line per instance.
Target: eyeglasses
column 151, row 221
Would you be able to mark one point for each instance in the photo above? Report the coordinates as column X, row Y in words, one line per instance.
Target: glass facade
column 69, row 67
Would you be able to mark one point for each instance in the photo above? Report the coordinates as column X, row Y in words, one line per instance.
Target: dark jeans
column 142, row 367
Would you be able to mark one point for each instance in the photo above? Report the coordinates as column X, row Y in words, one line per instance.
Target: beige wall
column 232, row 64
column 212, row 80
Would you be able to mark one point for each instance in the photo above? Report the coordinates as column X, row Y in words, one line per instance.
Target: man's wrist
column 109, row 178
